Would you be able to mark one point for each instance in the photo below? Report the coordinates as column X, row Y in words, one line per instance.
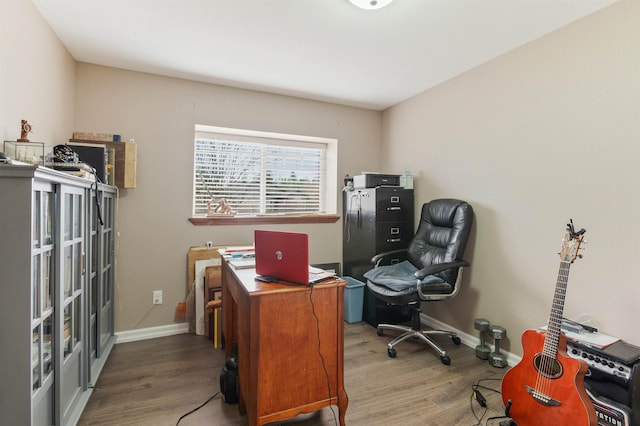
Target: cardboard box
column 93, row 136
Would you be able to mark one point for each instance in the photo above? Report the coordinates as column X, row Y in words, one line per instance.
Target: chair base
column 417, row 332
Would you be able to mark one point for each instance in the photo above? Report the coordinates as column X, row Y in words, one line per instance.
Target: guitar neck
column 552, row 339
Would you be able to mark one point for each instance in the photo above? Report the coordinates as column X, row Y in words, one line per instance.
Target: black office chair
column 429, row 269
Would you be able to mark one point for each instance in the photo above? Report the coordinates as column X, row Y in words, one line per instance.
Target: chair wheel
column 445, row 360
column 391, row 352
column 456, row 340
column 380, row 331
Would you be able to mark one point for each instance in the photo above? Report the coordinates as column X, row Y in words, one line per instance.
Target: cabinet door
column 101, row 277
column 358, row 245
column 93, row 276
column 106, row 231
column 358, row 234
column 71, row 286
column 42, row 302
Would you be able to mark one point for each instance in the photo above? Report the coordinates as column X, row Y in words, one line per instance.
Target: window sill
column 262, row 220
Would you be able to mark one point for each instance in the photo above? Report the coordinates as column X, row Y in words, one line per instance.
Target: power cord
column 197, row 408
column 324, row 367
column 481, row 400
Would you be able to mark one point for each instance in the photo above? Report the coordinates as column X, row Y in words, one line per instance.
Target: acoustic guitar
column 547, row 386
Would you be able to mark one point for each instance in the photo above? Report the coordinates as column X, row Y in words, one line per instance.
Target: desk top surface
column 247, row 278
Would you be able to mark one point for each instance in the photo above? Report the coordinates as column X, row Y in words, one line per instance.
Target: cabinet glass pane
column 106, row 288
column 77, row 216
column 47, row 284
column 35, row 220
column 94, row 214
column 47, row 350
column 94, row 252
column 68, row 217
column 94, row 295
column 36, row 378
column 68, row 271
column 107, row 248
column 107, row 210
column 47, row 218
column 77, row 266
column 75, row 326
column 35, row 286
column 68, row 344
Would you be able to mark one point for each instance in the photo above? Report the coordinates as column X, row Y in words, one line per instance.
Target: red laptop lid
column 282, row 255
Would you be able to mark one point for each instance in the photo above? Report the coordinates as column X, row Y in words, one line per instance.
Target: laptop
column 284, row 256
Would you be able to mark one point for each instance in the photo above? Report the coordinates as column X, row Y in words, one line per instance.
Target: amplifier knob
column 611, row 365
column 574, row 351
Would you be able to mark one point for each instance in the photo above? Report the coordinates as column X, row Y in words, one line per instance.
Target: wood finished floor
column 154, row 382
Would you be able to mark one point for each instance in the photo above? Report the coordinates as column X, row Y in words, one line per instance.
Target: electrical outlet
column 157, row 297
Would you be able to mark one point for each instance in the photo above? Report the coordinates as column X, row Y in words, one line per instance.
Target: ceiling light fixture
column 370, row 4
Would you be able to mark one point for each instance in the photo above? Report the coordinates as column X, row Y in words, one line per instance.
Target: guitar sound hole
column 547, row 366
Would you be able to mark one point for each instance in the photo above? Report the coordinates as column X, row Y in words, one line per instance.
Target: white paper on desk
column 201, row 265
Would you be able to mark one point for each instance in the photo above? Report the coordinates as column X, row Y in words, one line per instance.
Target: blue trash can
column 353, row 300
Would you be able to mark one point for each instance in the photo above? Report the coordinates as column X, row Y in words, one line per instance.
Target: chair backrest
column 442, row 235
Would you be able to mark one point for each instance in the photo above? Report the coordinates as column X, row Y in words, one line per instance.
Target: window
column 262, row 174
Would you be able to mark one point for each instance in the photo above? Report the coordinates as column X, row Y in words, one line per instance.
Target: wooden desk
column 280, row 369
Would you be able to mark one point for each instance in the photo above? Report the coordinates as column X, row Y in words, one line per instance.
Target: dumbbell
column 482, row 350
column 496, row 358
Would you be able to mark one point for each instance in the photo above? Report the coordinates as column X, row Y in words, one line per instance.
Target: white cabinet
column 56, row 302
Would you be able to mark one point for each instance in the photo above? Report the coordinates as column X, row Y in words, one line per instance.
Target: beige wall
column 160, row 113
column 37, row 76
column 547, row 132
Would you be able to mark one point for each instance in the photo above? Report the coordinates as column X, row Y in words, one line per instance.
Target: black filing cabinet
column 376, row 220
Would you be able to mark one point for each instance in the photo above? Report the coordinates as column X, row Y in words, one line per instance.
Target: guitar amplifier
column 612, row 381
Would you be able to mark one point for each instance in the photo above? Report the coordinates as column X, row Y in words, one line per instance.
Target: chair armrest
column 434, row 269
column 381, row 256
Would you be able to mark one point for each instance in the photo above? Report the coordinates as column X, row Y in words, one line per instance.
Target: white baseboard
column 467, row 339
column 151, row 332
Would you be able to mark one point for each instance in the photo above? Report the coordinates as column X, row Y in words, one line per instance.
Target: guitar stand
column 509, row 421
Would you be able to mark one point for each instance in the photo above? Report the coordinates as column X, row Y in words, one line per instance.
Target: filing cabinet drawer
column 394, row 205
column 392, row 236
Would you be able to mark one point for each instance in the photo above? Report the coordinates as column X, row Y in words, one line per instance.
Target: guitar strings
column 550, row 349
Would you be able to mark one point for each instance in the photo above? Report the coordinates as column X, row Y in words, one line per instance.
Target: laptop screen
column 282, row 255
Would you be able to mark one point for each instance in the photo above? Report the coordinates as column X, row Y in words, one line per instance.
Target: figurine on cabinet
column 25, row 129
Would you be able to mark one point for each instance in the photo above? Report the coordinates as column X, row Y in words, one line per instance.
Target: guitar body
column 569, row 403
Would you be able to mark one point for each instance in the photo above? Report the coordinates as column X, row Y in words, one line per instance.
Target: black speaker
column 618, row 393
column 609, row 412
column 229, row 381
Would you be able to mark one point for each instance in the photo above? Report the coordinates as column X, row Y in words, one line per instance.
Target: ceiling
column 326, row 50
